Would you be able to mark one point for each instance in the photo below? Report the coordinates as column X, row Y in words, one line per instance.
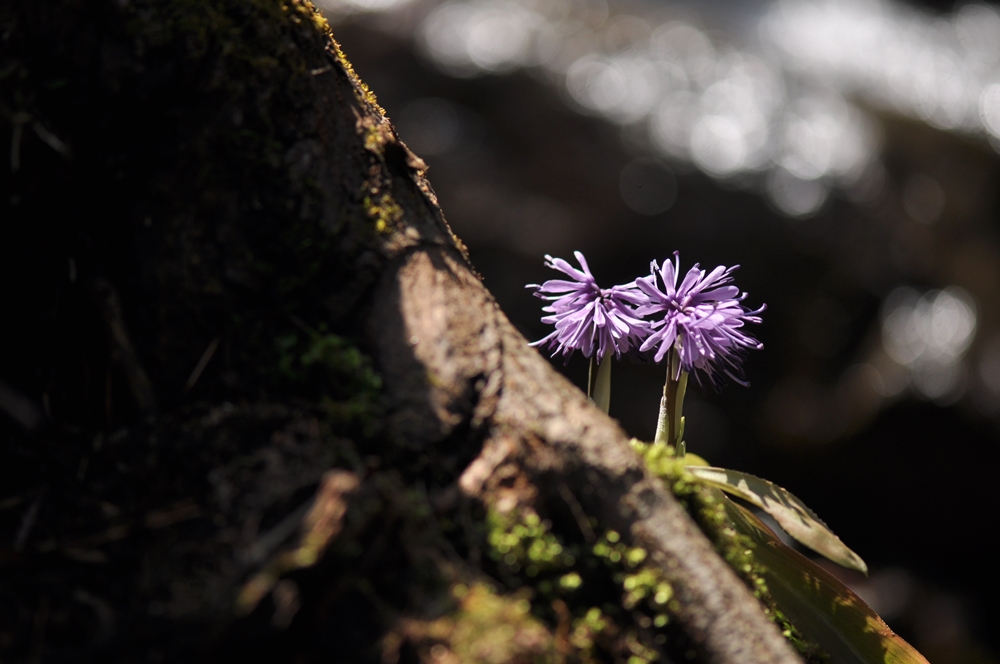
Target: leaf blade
column 791, row 513
column 820, row 606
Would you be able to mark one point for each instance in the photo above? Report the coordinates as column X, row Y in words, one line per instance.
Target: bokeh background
column 844, row 152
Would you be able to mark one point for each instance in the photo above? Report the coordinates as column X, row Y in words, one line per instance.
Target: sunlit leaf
column 822, row 608
column 791, row 513
column 694, row 460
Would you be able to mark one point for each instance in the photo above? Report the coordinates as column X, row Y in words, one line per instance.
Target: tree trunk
column 258, row 402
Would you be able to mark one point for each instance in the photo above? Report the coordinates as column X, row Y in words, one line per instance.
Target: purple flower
column 702, row 318
column 589, row 318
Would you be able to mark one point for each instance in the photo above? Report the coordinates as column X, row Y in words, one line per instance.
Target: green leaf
column 791, row 513
column 691, row 459
column 602, row 385
column 822, row 608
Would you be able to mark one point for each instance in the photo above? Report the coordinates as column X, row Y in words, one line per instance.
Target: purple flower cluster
column 587, row 317
column 702, row 318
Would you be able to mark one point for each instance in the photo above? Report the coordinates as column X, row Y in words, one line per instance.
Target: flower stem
column 664, row 431
column 670, row 422
column 602, row 384
column 680, row 445
column 590, row 378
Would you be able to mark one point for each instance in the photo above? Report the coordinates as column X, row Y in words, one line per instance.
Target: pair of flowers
column 701, row 319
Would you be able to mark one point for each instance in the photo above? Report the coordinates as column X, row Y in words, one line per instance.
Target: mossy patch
column 605, row 596
column 385, row 212
column 320, row 364
column 641, row 583
column 485, row 627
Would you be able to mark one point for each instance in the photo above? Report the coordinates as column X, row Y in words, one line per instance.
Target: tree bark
column 258, row 401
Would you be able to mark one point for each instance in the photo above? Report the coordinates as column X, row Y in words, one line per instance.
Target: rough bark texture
column 257, row 399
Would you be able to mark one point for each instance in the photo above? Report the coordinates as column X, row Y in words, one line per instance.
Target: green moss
column 300, row 353
column 481, row 626
column 322, row 364
column 495, row 629
column 386, row 213
column 640, row 583
column 586, row 631
column 615, row 599
column 375, row 138
column 527, row 546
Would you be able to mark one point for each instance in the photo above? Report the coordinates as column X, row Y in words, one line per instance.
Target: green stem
column 602, row 384
column 680, row 446
column 671, row 390
column 590, row 378
column 670, row 422
column 664, row 431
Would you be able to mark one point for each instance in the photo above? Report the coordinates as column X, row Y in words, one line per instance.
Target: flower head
column 589, row 318
column 702, row 318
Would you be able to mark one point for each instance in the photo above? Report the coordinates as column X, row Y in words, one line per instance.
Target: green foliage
column 482, row 626
column 839, row 622
column 660, row 461
column 708, row 507
column 494, row 629
column 386, row 213
column 829, row 620
column 586, row 629
column 791, row 513
column 617, row 603
column 639, row 582
column 528, row 546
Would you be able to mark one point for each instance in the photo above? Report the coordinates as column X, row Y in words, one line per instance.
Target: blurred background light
column 470, row 38
column 929, row 335
column 341, row 7
column 795, row 196
column 727, row 110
